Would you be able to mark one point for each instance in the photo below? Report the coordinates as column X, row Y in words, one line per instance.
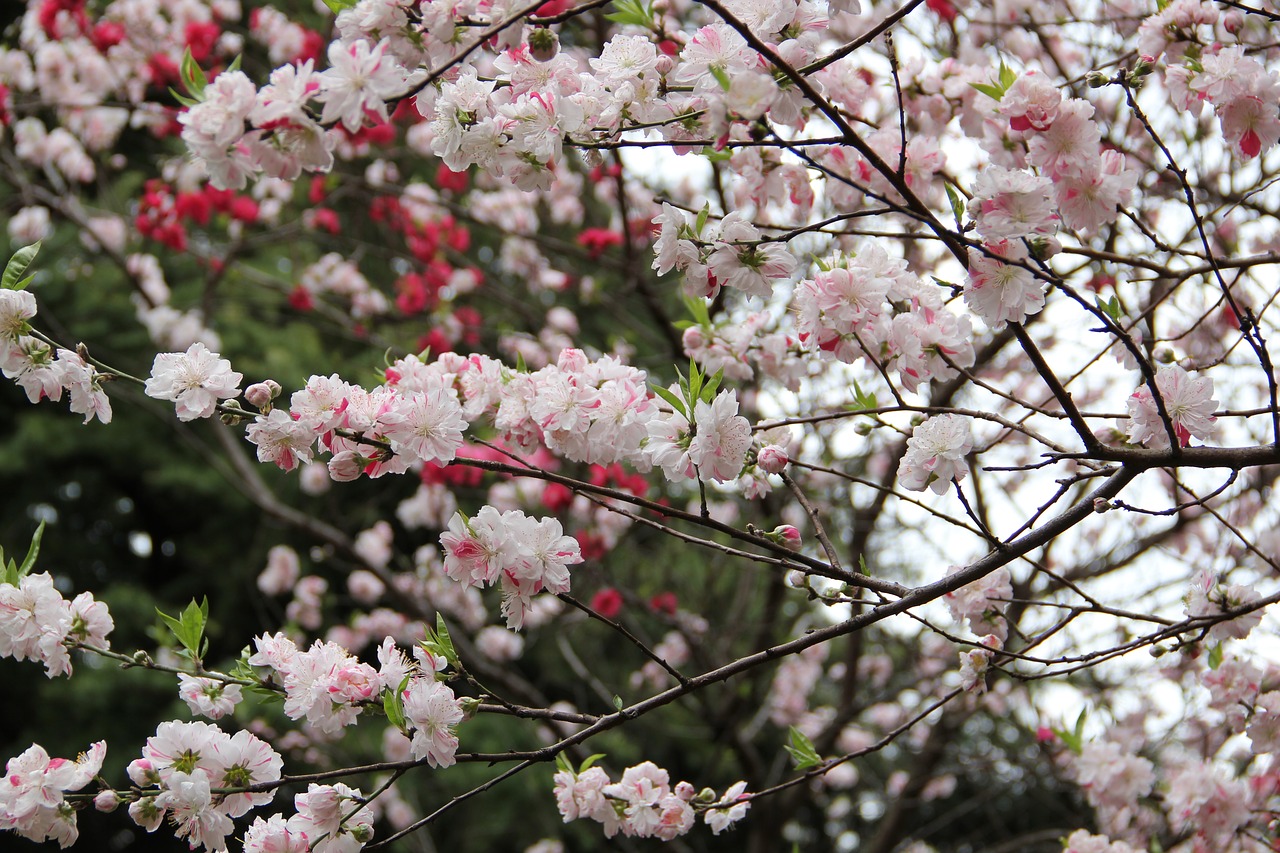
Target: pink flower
column 434, row 712
column 1188, row 402
column 935, row 454
column 194, row 380
column 207, row 696
column 721, row 438
column 360, row 78
column 772, row 459
column 1000, row 292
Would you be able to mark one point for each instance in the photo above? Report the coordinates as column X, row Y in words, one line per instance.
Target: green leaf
column 695, row 383
column 722, row 77
column 1007, row 76
column 862, row 565
column 632, row 12
column 698, row 308
column 438, row 642
column 562, row 763
column 675, row 402
column 17, row 266
column 801, row 750
column 1215, row 656
column 957, row 204
column 861, row 400
column 32, row 552
column 703, row 216
column 182, row 99
column 336, row 6
column 393, row 704
column 711, row 386
column 188, row 628
column 235, row 63
column 617, row 702
column 591, row 759
column 192, row 75
column 1074, row 739
column 717, row 156
column 990, row 91
column 521, row 367
column 1110, row 307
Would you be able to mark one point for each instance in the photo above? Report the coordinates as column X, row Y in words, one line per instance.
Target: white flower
column 194, row 380
column 721, row 440
column 1188, row 402
column 935, row 454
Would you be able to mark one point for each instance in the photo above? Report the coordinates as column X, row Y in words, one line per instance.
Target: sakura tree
column 746, row 424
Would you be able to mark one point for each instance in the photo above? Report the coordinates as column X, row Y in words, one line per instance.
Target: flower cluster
column 643, row 804
column 869, row 306
column 36, row 622
column 982, row 603
column 1244, row 94
column 40, row 370
column 1209, row 597
column 329, row 819
column 31, row 793
column 524, row 555
column 180, row 767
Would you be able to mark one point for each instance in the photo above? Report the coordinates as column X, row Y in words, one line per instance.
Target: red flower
column 607, row 602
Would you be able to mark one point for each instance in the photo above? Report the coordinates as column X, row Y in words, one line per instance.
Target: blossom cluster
column 42, row 372
column 643, row 804
column 329, row 688
column 525, row 555
column 871, row 307
column 182, row 765
column 37, row 623
column 31, row 794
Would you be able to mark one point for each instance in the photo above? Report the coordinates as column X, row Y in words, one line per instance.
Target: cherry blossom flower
column 31, row 793
column 1188, row 402
column 195, row 380
column 1208, row 596
column 1001, row 292
column 322, row 816
column 1010, row 204
column 207, row 696
column 721, row 438
column 434, row 712
column 360, row 79
column 935, row 454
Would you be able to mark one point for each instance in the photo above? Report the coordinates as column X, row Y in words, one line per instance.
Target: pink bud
column 261, row 394
column 694, row 339
column 346, row 466
column 772, row 459
column 106, row 801
column 787, row 536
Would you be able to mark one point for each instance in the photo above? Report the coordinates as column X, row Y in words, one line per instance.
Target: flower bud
column 694, row 339
column 1096, row 80
column 347, row 466
column 106, row 801
column 261, row 394
column 787, row 536
column 544, row 44
column 772, row 459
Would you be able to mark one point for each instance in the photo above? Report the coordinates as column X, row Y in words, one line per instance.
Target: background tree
column 935, row 516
